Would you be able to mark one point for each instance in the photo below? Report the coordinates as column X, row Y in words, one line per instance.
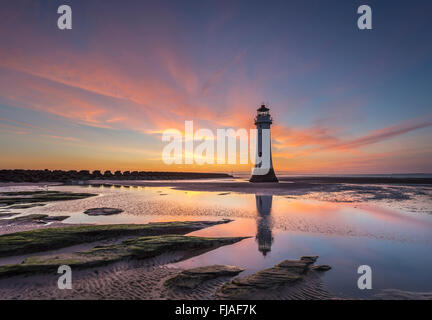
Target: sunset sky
column 98, row 96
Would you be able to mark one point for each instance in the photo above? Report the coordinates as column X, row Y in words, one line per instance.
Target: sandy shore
column 141, row 280
column 368, row 191
column 144, row 279
column 125, row 279
column 219, row 186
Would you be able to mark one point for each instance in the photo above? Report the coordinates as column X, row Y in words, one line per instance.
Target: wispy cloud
column 383, row 134
column 23, row 128
column 11, row 129
column 319, row 138
column 215, row 77
column 62, row 138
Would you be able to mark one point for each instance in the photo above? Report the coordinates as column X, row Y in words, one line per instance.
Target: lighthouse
column 263, row 170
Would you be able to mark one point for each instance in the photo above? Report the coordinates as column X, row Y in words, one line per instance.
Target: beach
column 345, row 223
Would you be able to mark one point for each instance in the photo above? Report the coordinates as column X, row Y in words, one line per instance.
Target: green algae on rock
column 139, row 248
column 26, row 197
column 25, row 206
column 287, row 272
column 55, row 238
column 38, row 218
column 192, row 278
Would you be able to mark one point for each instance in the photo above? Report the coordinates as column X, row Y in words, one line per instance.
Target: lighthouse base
column 269, row 177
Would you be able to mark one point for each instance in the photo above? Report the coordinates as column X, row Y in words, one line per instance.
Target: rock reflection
column 264, row 235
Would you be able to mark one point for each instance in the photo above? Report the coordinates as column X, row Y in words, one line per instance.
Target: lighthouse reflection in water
column 264, row 235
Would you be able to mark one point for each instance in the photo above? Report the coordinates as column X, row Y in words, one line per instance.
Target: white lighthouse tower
column 263, row 170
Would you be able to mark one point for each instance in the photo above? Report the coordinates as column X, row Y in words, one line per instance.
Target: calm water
column 395, row 243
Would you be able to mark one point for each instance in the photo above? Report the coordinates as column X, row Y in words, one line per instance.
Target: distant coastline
column 20, row 175
column 75, row 176
column 366, row 179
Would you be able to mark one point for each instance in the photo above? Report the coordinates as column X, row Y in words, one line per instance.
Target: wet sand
column 287, row 186
column 144, row 279
column 219, row 186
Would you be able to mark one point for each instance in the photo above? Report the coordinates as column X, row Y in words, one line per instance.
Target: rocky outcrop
column 85, row 175
column 286, row 273
column 56, row 238
column 323, row 267
column 26, row 206
column 139, row 248
column 102, row 211
column 192, row 278
column 36, row 218
column 30, row 197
